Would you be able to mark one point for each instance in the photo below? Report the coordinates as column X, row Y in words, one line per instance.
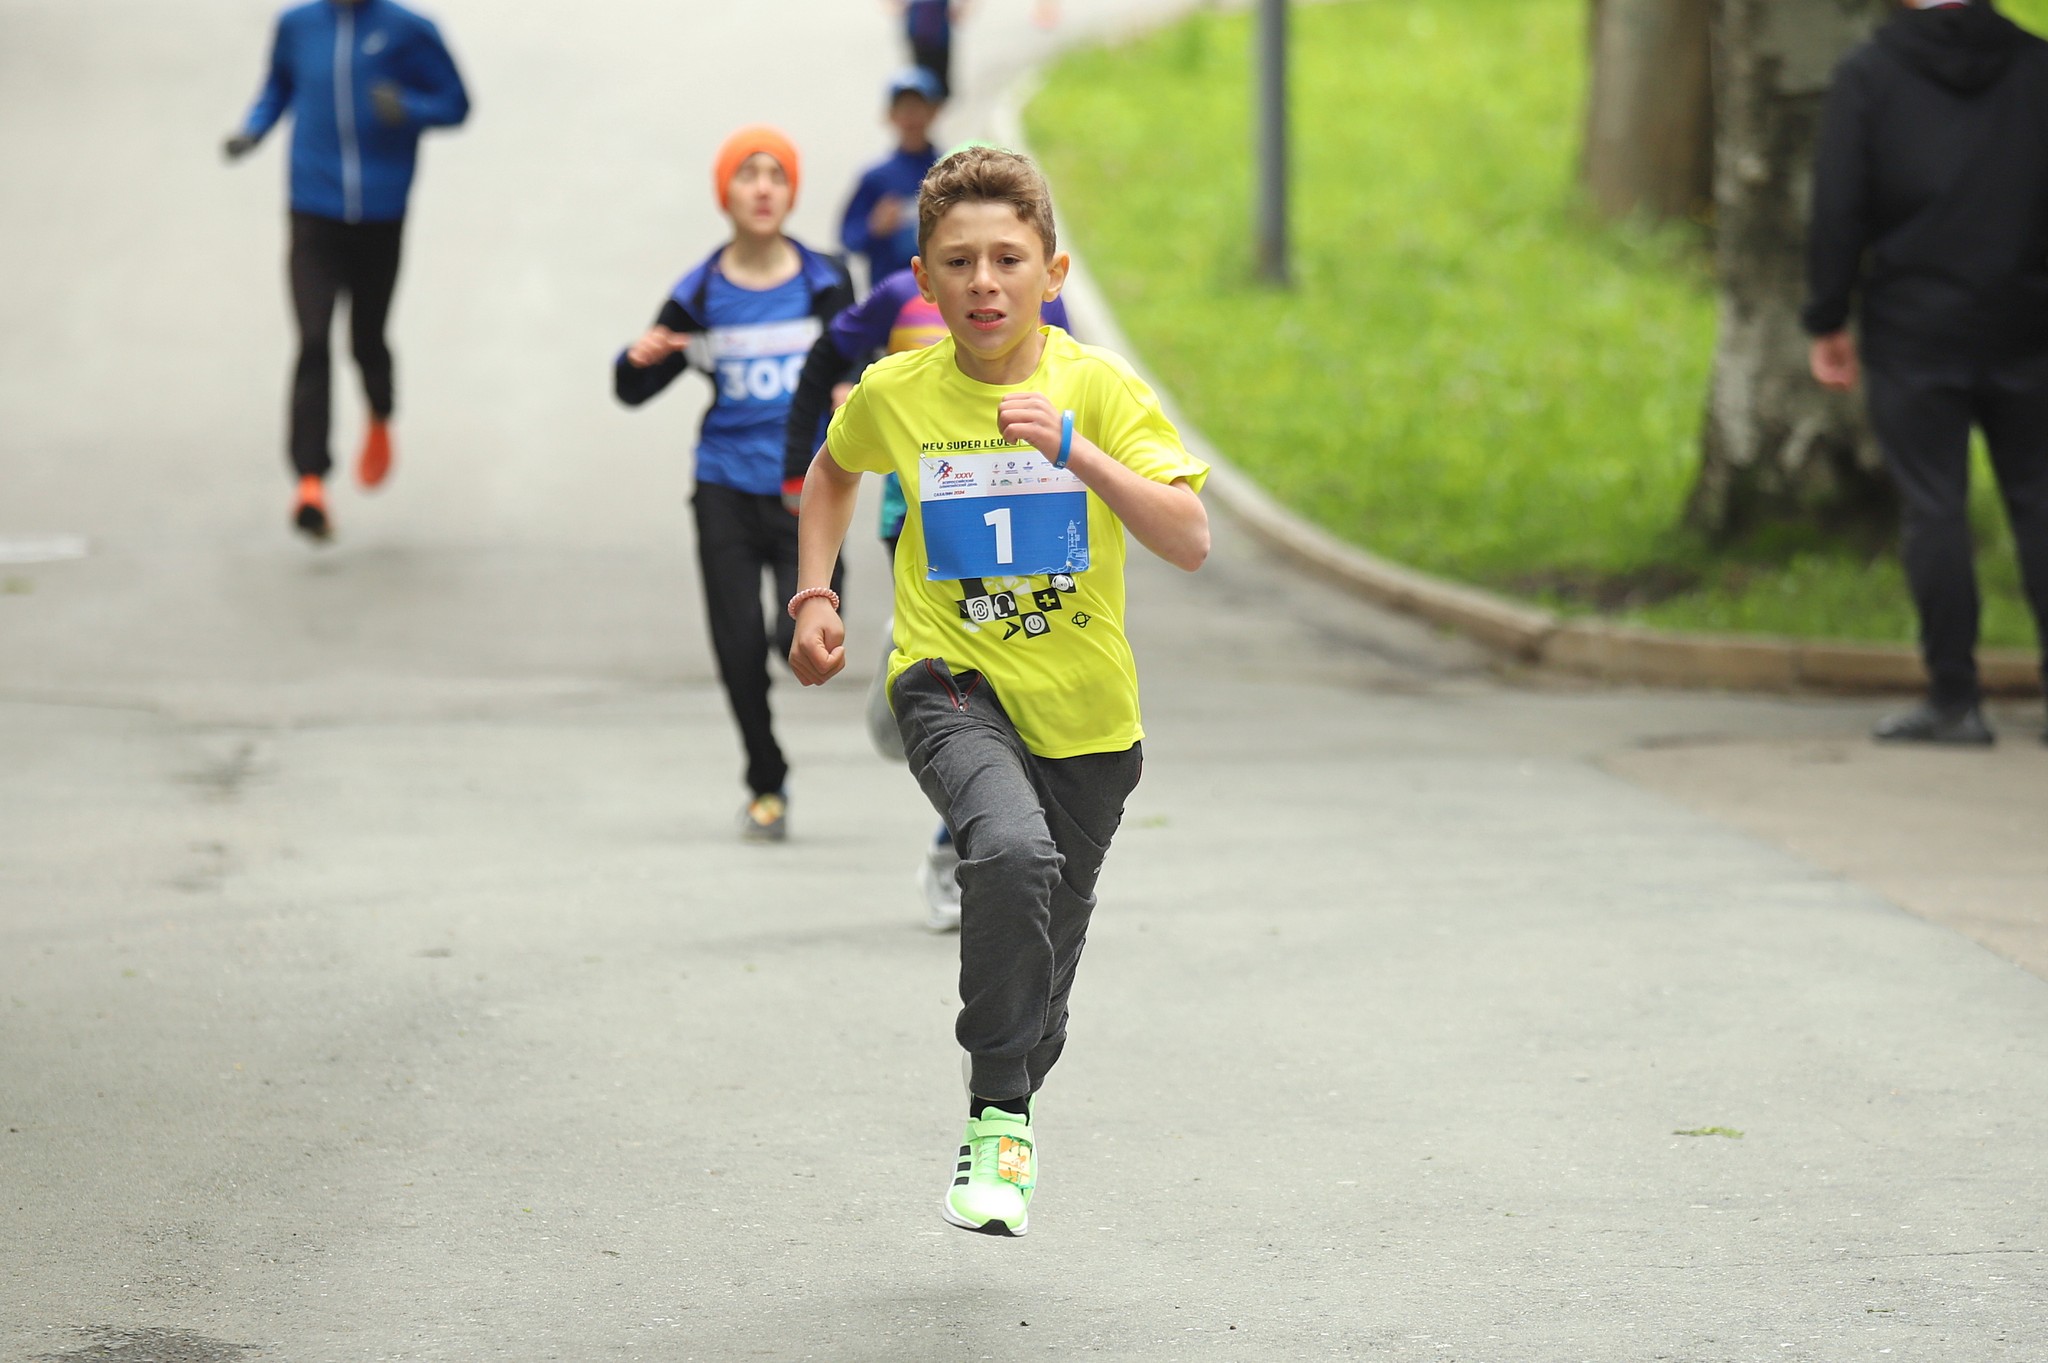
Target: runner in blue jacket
column 880, row 221
column 361, row 79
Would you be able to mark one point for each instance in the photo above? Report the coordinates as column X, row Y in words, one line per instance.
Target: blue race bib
column 1001, row 515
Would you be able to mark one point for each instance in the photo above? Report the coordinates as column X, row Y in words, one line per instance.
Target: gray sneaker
column 940, row 877
column 1958, row 726
column 882, row 731
column 765, row 819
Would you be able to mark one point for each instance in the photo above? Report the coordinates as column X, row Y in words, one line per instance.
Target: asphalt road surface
column 381, row 978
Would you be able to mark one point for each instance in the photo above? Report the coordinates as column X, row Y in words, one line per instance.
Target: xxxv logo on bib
column 1010, row 514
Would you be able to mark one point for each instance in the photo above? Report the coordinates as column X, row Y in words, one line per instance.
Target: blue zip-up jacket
column 901, row 174
column 346, row 162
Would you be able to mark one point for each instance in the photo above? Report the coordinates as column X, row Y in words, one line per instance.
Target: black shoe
column 312, row 523
column 309, row 514
column 1962, row 726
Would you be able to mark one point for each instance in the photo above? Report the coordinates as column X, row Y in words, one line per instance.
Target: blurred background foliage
column 1472, row 374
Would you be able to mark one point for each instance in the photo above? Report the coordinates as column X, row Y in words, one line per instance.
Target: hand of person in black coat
column 1835, row 363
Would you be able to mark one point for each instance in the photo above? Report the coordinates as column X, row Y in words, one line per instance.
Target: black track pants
column 1032, row 833
column 1923, row 420
column 936, row 58
column 742, row 537
column 328, row 259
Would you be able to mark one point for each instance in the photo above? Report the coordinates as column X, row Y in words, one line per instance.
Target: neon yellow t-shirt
column 1007, row 566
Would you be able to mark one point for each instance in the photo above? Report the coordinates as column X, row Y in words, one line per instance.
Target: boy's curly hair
column 986, row 175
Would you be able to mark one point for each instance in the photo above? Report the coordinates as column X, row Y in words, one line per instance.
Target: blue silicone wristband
column 1066, row 439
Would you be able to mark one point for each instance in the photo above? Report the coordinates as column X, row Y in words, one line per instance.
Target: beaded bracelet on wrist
column 809, row 593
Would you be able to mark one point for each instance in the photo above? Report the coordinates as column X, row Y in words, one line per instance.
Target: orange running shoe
column 373, row 465
column 310, row 515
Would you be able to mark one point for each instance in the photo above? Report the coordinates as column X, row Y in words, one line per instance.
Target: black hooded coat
column 1931, row 191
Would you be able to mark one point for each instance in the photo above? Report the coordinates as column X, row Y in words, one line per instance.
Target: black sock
column 1018, row 1106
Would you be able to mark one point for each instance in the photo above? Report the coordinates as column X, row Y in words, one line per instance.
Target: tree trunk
column 1777, row 446
column 1650, row 110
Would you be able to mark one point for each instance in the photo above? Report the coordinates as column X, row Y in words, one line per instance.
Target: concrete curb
column 1523, row 633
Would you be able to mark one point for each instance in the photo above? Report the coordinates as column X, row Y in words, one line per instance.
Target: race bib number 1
column 1001, row 515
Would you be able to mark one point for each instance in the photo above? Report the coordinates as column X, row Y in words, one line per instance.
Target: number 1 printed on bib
column 1001, row 515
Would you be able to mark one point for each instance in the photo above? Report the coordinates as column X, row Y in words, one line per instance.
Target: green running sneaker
column 997, row 1169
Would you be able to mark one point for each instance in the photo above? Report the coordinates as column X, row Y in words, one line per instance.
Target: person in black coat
column 1930, row 226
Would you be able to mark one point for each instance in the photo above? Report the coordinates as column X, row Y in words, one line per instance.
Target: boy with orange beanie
column 746, row 317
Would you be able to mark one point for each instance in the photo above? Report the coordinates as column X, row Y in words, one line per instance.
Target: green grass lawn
column 1470, row 375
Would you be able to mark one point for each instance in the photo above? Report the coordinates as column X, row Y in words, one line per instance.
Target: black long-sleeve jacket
column 1931, row 190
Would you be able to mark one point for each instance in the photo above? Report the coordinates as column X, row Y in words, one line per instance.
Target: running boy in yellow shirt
column 1025, row 457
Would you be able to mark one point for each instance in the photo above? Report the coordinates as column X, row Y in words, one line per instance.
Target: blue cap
column 915, row 80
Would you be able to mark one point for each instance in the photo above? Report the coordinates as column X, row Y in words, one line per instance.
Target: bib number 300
column 1001, row 515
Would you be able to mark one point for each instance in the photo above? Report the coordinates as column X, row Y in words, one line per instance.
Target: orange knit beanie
column 746, row 142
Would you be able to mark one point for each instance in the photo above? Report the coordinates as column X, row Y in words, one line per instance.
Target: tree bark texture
column 1777, row 446
column 1649, row 144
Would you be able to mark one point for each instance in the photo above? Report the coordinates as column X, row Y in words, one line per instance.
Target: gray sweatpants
column 1032, row 832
